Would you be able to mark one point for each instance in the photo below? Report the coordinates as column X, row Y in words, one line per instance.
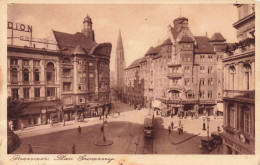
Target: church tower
column 87, row 28
column 120, row 64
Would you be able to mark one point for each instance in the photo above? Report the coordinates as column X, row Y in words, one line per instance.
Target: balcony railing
column 173, row 64
column 35, row 99
column 239, row 93
column 174, row 75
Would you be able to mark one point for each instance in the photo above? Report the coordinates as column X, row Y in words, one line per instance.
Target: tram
column 149, row 124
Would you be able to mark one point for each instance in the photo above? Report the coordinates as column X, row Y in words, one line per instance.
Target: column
column 42, row 72
column 75, row 76
column 252, row 77
column 236, row 79
column 31, row 72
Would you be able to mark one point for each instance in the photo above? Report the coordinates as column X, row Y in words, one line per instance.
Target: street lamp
column 208, row 119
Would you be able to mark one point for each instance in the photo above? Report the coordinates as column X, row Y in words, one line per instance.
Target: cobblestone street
column 124, row 130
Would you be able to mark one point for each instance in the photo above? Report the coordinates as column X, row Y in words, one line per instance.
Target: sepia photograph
column 167, row 79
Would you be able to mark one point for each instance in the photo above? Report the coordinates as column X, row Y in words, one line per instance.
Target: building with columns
column 239, row 86
column 119, row 67
column 61, row 84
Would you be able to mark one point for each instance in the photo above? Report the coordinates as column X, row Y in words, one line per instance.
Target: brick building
column 239, row 86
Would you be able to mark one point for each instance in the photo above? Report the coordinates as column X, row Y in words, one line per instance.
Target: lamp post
column 208, row 119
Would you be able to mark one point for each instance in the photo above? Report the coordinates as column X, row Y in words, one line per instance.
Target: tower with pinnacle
column 119, row 65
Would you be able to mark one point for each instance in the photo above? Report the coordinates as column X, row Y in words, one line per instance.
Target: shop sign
column 19, row 27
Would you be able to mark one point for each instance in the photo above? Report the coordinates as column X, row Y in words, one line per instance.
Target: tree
column 15, row 107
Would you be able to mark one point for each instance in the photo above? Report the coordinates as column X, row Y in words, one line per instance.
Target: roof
column 119, row 41
column 71, row 41
column 144, row 59
column 203, row 45
column 154, row 51
column 134, row 64
column 217, row 37
column 186, row 39
column 174, row 33
column 167, row 42
column 79, row 50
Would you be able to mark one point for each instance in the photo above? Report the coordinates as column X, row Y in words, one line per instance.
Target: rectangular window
column 187, row 69
column 37, row 63
column 202, row 81
column 210, row 58
column 186, row 81
column 67, row 100
column 26, row 92
column 66, row 72
column 232, row 118
column 210, row 69
column 202, row 94
column 202, row 69
column 91, row 75
column 66, row 86
column 90, row 63
column 15, row 93
column 80, row 87
column 210, row 81
column 202, row 57
column 82, row 100
column 209, row 94
column 49, row 76
column 50, row 92
column 247, row 122
column 26, row 62
column 14, row 61
column 36, row 92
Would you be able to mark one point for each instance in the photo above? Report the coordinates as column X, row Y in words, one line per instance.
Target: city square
column 155, row 83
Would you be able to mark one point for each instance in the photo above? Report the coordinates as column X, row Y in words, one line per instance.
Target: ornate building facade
column 119, row 67
column 61, row 84
column 239, row 86
column 182, row 71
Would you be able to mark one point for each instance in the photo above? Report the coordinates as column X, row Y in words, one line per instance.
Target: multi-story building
column 85, row 78
column 33, row 76
column 182, row 71
column 63, row 83
column 119, row 67
column 239, row 86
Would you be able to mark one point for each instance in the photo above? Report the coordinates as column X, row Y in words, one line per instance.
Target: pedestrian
column 73, row 149
column 172, row 124
column 22, row 126
column 169, row 128
column 79, row 130
column 30, row 151
column 179, row 123
column 63, row 122
column 219, row 130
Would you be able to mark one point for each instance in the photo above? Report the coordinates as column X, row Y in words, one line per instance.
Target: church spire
column 119, row 41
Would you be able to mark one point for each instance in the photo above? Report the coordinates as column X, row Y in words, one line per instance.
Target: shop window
column 15, row 93
column 14, row 75
column 37, row 92
column 26, row 92
column 26, row 75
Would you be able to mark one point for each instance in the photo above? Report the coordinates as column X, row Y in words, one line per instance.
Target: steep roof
column 153, row 50
column 144, row 59
column 203, row 45
column 134, row 64
column 119, row 41
column 186, row 39
column 174, row 33
column 167, row 42
column 217, row 37
column 79, row 50
column 71, row 41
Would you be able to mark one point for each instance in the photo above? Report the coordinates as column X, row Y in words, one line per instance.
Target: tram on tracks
column 149, row 124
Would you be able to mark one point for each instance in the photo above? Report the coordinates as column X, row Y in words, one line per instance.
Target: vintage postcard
column 129, row 82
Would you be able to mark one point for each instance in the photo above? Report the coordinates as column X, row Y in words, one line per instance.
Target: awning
column 51, row 109
column 220, row 107
column 31, row 111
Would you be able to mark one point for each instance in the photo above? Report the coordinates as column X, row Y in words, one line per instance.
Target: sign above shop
column 19, row 27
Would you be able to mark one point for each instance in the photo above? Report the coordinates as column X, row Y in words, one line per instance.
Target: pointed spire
column 119, row 41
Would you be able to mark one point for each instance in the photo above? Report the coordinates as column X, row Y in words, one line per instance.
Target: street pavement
column 124, row 129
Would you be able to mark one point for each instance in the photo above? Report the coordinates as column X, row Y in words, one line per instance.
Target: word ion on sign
column 19, row 27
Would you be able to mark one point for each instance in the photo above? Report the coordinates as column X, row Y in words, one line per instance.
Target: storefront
column 68, row 111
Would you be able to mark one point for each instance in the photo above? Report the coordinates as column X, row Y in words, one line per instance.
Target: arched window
column 36, row 75
column 245, row 119
column 50, row 73
column 232, row 115
column 232, row 77
column 247, row 71
column 190, row 95
column 175, row 94
column 14, row 75
column 26, row 75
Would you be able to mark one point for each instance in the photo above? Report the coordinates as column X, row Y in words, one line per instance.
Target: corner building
column 239, row 86
column 180, row 72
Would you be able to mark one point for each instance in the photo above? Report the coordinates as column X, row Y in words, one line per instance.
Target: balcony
column 239, row 94
column 173, row 64
column 35, row 99
column 51, row 98
column 174, row 75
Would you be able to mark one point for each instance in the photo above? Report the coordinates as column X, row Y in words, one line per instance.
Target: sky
column 141, row 25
